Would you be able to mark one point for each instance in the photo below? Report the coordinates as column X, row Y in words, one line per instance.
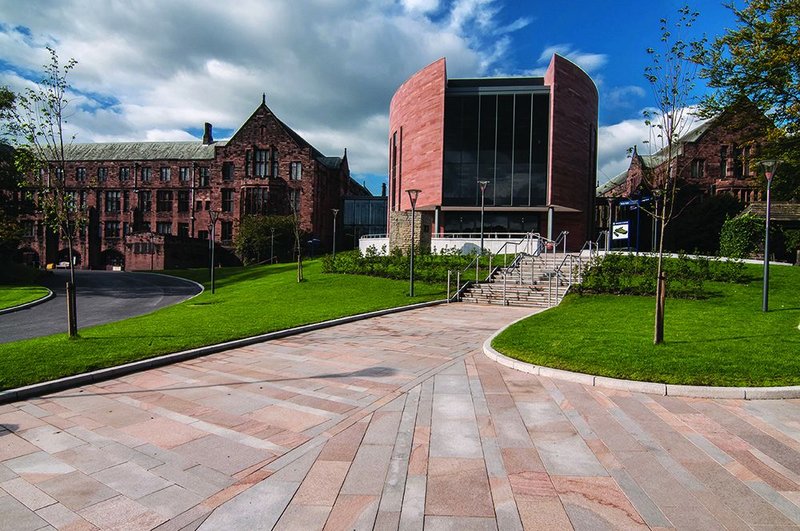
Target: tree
column 36, row 121
column 671, row 75
column 261, row 238
column 10, row 230
column 760, row 59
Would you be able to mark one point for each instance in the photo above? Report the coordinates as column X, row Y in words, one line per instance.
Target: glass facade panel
column 500, row 138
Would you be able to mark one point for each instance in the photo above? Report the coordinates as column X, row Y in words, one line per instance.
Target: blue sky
column 329, row 67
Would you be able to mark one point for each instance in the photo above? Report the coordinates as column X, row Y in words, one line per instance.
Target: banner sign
column 619, row 230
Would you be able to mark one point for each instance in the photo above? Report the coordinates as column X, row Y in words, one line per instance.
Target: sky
column 158, row 69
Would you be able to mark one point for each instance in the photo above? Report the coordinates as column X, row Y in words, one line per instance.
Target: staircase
column 526, row 282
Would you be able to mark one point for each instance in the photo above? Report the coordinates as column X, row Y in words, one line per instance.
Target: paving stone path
column 394, row 422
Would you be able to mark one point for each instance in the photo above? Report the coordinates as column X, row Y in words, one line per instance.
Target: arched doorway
column 63, row 258
column 113, row 259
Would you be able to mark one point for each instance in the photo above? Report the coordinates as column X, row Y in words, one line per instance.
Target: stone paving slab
column 397, row 422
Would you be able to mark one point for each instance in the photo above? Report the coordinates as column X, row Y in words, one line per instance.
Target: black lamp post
column 769, row 172
column 483, row 185
column 271, row 244
column 413, row 194
column 335, row 211
column 213, row 216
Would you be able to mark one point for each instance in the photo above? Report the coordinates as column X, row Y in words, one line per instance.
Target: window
column 164, row 174
column 124, row 174
column 198, row 206
column 227, row 171
column 28, row 228
column 723, row 162
column 164, row 227
column 183, row 201
column 294, row 200
column 59, row 172
column 274, row 163
column 227, row 231
column 202, row 234
column 125, row 228
column 261, row 163
column 147, row 174
column 164, row 201
column 204, row 176
column 296, row 171
column 80, row 174
column 102, row 174
column 145, row 200
column 112, row 201
column 183, row 174
column 248, row 159
column 697, row 168
column 255, row 200
column 111, row 229
column 84, row 199
column 126, row 201
column 145, row 226
column 227, row 200
column 183, row 230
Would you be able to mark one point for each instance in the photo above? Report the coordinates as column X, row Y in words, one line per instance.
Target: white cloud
column 167, row 67
column 621, row 97
column 589, row 62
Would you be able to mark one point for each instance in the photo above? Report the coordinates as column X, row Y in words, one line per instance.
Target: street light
column 413, row 194
column 335, row 211
column 483, row 185
column 213, row 216
column 271, row 244
column 769, row 172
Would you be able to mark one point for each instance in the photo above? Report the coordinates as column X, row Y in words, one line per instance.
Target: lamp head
column 483, row 185
column 769, row 168
column 413, row 194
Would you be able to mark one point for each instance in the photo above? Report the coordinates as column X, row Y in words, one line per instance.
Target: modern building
column 532, row 139
column 716, row 157
column 150, row 203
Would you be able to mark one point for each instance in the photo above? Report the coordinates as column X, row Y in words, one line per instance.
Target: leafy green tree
column 742, row 236
column 671, row 74
column 10, row 230
column 759, row 59
column 36, row 121
column 264, row 238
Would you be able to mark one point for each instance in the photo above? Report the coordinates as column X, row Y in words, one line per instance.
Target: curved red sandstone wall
column 416, row 114
column 573, row 148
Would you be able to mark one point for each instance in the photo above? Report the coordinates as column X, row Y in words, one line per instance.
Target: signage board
column 619, row 230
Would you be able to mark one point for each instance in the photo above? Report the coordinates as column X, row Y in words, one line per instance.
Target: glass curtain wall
column 500, row 138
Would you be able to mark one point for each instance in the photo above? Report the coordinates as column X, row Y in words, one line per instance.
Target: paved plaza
column 395, row 422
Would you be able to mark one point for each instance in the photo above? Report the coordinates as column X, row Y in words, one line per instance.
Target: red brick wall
column 573, row 148
column 417, row 109
column 321, row 188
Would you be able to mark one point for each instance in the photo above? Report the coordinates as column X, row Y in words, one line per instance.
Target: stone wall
column 400, row 231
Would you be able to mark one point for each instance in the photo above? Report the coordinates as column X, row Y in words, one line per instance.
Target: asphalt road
column 103, row 297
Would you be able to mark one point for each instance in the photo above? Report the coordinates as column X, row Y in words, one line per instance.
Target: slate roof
column 612, row 183
column 779, row 211
column 141, row 151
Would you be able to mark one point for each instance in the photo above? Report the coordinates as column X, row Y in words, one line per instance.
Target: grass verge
column 725, row 340
column 247, row 302
column 11, row 296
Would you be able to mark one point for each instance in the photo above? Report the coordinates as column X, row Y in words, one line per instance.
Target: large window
column 145, row 200
column 164, row 227
column 227, row 171
column 112, row 201
column 227, row 231
column 261, row 163
column 183, row 201
column 255, row 201
column 164, row 201
column 296, row 171
column 111, row 229
column 500, row 138
column 204, row 176
column 227, row 200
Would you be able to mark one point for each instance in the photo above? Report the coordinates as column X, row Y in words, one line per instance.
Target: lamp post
column 483, row 185
column 769, row 172
column 335, row 211
column 271, row 244
column 213, row 216
column 413, row 194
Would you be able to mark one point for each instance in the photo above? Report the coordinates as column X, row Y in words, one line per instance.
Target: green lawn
column 15, row 295
column 247, row 302
column 723, row 340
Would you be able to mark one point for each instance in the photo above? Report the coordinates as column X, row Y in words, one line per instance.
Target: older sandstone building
column 149, row 204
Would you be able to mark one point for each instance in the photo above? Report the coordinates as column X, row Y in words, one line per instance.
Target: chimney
column 207, row 137
column 383, row 189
